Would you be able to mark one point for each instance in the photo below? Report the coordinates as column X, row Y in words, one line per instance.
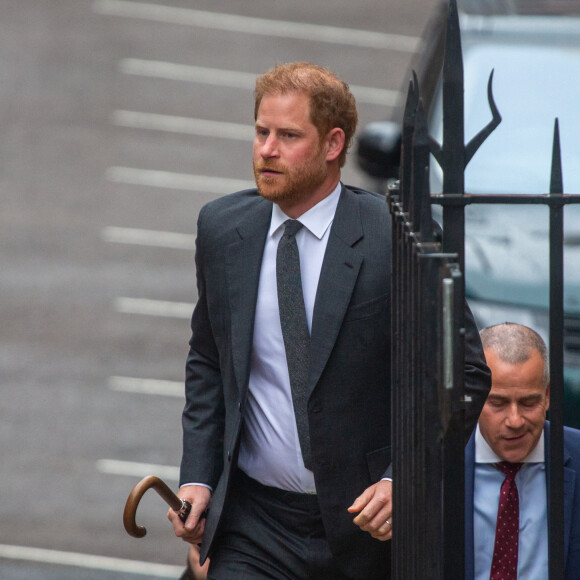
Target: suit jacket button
column 317, row 408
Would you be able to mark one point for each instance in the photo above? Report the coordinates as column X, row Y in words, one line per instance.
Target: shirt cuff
column 201, row 484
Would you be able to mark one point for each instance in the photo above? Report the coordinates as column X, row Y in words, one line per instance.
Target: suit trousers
column 269, row 533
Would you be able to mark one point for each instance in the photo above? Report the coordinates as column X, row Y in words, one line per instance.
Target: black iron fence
column 428, row 334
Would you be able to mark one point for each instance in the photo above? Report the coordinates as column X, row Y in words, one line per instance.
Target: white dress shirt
column 270, row 448
column 531, row 483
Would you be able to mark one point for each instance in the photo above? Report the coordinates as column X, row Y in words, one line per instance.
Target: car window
column 532, row 86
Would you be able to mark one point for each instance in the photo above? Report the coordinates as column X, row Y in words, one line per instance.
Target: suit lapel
column 569, row 483
column 244, row 260
column 469, row 482
column 338, row 276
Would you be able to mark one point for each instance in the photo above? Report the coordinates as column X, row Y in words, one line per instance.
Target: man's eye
column 529, row 404
column 496, row 404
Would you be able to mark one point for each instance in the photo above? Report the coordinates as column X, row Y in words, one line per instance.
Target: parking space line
column 172, row 180
column 78, row 560
column 147, row 386
column 185, row 72
column 136, row 469
column 234, row 79
column 148, row 307
column 155, row 238
column 259, row 26
column 185, row 125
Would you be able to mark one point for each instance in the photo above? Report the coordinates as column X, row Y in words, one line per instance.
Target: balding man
column 505, row 463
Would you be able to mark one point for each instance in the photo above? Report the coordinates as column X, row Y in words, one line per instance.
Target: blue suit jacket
column 571, row 501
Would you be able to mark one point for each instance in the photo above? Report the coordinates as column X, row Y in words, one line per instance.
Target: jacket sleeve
column 477, row 374
column 203, row 415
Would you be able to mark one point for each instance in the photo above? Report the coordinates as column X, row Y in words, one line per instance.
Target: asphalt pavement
column 118, row 121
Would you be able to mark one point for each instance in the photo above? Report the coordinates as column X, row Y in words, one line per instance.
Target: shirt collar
column 316, row 220
column 485, row 454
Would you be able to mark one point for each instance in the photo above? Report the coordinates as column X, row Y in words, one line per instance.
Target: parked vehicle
column 533, row 47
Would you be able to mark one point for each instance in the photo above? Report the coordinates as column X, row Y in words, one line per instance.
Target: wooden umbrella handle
column 180, row 506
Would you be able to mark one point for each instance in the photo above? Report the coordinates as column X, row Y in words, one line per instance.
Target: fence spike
column 556, row 180
column 407, row 140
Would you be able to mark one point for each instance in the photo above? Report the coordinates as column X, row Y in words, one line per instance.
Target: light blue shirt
column 531, row 483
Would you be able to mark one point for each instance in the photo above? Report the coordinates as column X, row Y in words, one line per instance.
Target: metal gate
column 428, row 334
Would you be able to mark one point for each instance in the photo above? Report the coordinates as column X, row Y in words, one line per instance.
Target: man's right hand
column 192, row 530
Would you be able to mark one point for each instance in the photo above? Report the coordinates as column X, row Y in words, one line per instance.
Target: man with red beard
column 287, row 417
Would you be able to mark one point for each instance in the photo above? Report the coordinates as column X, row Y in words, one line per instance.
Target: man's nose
column 269, row 147
column 514, row 419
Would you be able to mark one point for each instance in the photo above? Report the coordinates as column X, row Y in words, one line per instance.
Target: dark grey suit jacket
column 349, row 405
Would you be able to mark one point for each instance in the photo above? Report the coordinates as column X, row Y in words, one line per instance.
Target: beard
column 291, row 185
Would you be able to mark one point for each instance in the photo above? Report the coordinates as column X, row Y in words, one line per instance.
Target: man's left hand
column 375, row 510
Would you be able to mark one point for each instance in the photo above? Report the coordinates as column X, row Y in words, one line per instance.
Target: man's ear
column 547, row 396
column 335, row 143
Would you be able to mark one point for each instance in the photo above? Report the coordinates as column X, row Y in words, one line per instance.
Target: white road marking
column 185, row 125
column 260, row 26
column 375, row 96
column 148, row 386
column 91, row 561
column 148, row 307
column 155, row 238
column 185, row 72
column 172, row 180
column 235, row 79
column 135, row 469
